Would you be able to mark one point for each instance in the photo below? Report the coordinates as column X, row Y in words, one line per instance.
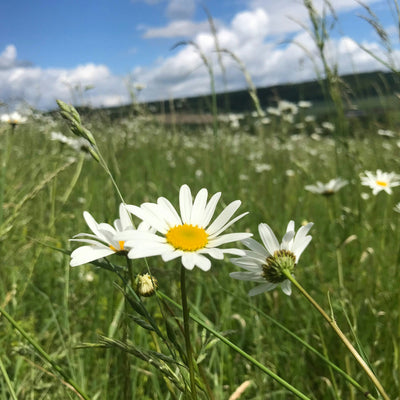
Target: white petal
column 227, row 238
column 255, row 257
column 287, row 240
column 214, row 252
column 188, row 260
column 198, row 209
column 145, row 213
column 226, row 226
column 185, row 203
column 86, row 254
column 300, row 247
column 235, row 252
column 202, row 262
column 171, row 216
column 91, row 222
column 268, row 238
column 290, row 226
column 224, row 217
column 256, row 247
column 168, row 256
column 302, row 232
column 247, row 276
column 95, row 243
column 286, row 287
column 262, row 288
column 209, row 211
column 248, row 265
column 124, row 217
column 146, row 252
column 139, row 236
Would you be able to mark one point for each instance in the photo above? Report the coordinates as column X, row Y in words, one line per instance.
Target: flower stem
column 341, row 335
column 245, row 355
column 43, row 354
column 189, row 352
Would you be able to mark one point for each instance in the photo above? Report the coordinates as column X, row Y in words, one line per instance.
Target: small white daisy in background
column 262, row 167
column 386, row 133
column 189, row 235
column 304, row 104
column 328, row 126
column 59, row 137
column 380, row 181
column 329, row 188
column 264, row 264
column 14, row 118
column 102, row 242
column 290, row 173
column 397, row 207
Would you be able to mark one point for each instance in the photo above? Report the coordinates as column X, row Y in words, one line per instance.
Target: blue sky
column 49, row 47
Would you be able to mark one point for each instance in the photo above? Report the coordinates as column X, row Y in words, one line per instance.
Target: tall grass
column 64, row 308
column 82, row 332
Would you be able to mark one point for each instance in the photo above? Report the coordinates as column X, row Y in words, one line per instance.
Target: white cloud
column 177, row 29
column 180, row 9
column 41, row 87
column 8, row 57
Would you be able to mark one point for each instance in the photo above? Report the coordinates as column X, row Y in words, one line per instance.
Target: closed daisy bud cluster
column 145, row 285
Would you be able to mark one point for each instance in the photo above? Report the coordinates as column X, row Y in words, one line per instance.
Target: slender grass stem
column 39, row 350
column 189, row 350
column 341, row 335
column 248, row 357
column 8, row 381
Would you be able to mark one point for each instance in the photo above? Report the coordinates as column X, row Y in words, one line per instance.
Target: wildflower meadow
column 256, row 256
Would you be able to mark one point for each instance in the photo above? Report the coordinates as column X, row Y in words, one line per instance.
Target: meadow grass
column 351, row 266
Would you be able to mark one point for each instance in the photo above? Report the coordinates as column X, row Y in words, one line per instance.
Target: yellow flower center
column 381, row 183
column 121, row 246
column 187, row 237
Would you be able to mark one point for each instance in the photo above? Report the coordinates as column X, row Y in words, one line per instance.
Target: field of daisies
column 257, row 257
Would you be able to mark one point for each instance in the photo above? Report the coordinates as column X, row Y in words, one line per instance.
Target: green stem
column 8, row 382
column 223, row 339
column 341, row 335
column 189, row 352
column 43, row 354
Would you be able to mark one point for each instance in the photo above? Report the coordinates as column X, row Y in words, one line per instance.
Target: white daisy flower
column 102, row 242
column 380, row 181
column 397, row 207
column 264, row 264
column 189, row 235
column 327, row 189
column 14, row 118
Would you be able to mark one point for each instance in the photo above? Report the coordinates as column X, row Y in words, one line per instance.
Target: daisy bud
column 145, row 285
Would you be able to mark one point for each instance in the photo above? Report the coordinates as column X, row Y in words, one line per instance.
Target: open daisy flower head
column 102, row 242
column 188, row 235
column 327, row 189
column 265, row 263
column 13, row 119
column 380, row 181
